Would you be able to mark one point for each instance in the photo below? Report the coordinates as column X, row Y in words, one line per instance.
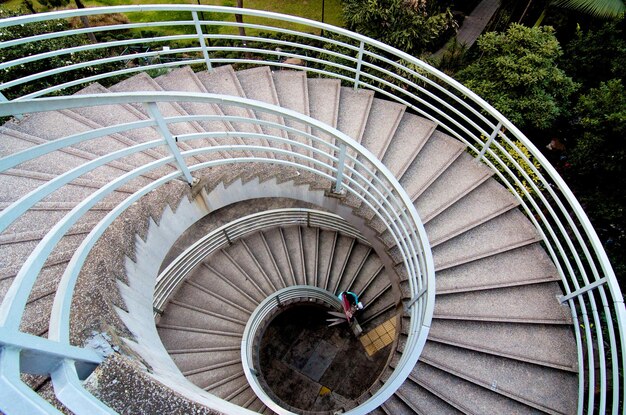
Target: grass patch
column 310, row 9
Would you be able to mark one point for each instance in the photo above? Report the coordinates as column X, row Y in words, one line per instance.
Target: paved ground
column 474, row 24
column 314, row 367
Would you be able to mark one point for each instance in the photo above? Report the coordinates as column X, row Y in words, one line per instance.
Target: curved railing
column 588, row 280
column 175, row 273
column 264, row 310
column 352, row 169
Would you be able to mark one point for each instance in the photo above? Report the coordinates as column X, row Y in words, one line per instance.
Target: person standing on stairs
column 351, row 303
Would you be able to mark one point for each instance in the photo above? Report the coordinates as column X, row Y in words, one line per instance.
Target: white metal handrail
column 589, row 282
column 386, row 198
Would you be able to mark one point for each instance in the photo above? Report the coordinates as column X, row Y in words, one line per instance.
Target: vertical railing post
column 358, row 65
column 4, row 99
column 489, row 141
column 156, row 115
column 341, row 161
column 205, row 51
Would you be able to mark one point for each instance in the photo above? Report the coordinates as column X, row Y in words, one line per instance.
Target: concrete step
column 413, row 399
column 324, row 106
column 185, row 80
column 222, row 80
column 195, row 293
column 460, row 178
column 412, row 134
column 354, row 111
column 258, row 246
column 536, row 303
column 327, row 247
column 499, row 271
column 508, row 231
column 186, row 337
column 293, row 242
column 62, row 160
column 193, row 363
column 556, row 393
column 276, row 242
column 143, row 83
column 29, row 132
column 225, row 264
column 343, row 252
column 292, row 90
column 184, row 312
column 465, row 396
column 541, row 344
column 484, row 203
column 109, row 115
column 310, row 247
column 244, row 257
column 213, row 279
column 258, row 84
column 220, row 382
column 434, row 158
column 356, row 262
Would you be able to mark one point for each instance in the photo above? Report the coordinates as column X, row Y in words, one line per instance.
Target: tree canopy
column 517, row 73
column 405, row 24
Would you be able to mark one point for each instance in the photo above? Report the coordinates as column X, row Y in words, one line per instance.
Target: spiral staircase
column 501, row 339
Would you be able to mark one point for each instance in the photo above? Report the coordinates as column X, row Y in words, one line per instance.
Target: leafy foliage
column 597, row 55
column 597, row 168
column 41, row 65
column 518, row 75
column 404, row 24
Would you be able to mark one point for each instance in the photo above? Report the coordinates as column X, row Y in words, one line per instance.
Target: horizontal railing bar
column 582, row 290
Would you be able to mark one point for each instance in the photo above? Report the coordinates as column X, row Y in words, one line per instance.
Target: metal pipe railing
column 588, row 279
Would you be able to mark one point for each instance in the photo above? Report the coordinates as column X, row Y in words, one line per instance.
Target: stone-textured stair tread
column 143, row 83
column 556, row 393
column 310, row 238
column 60, row 124
column 222, row 80
column 293, row 241
column 381, row 125
column 499, row 271
column 356, row 261
column 324, row 106
column 354, row 110
column 461, row 177
column 484, row 203
column 327, row 250
column 536, row 303
column 209, row 280
column 62, row 160
column 275, row 240
column 258, row 247
column 250, row 266
column 435, row 156
column 343, row 251
column 411, row 135
column 292, row 90
column 184, row 80
column 258, row 84
column 188, row 362
column 194, row 296
column 466, row 396
column 542, row 344
column 117, row 114
column 412, row 398
column 507, row 231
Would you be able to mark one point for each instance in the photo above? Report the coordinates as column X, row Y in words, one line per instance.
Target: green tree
column 517, row 73
column 597, row 160
column 597, row 54
column 405, row 24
